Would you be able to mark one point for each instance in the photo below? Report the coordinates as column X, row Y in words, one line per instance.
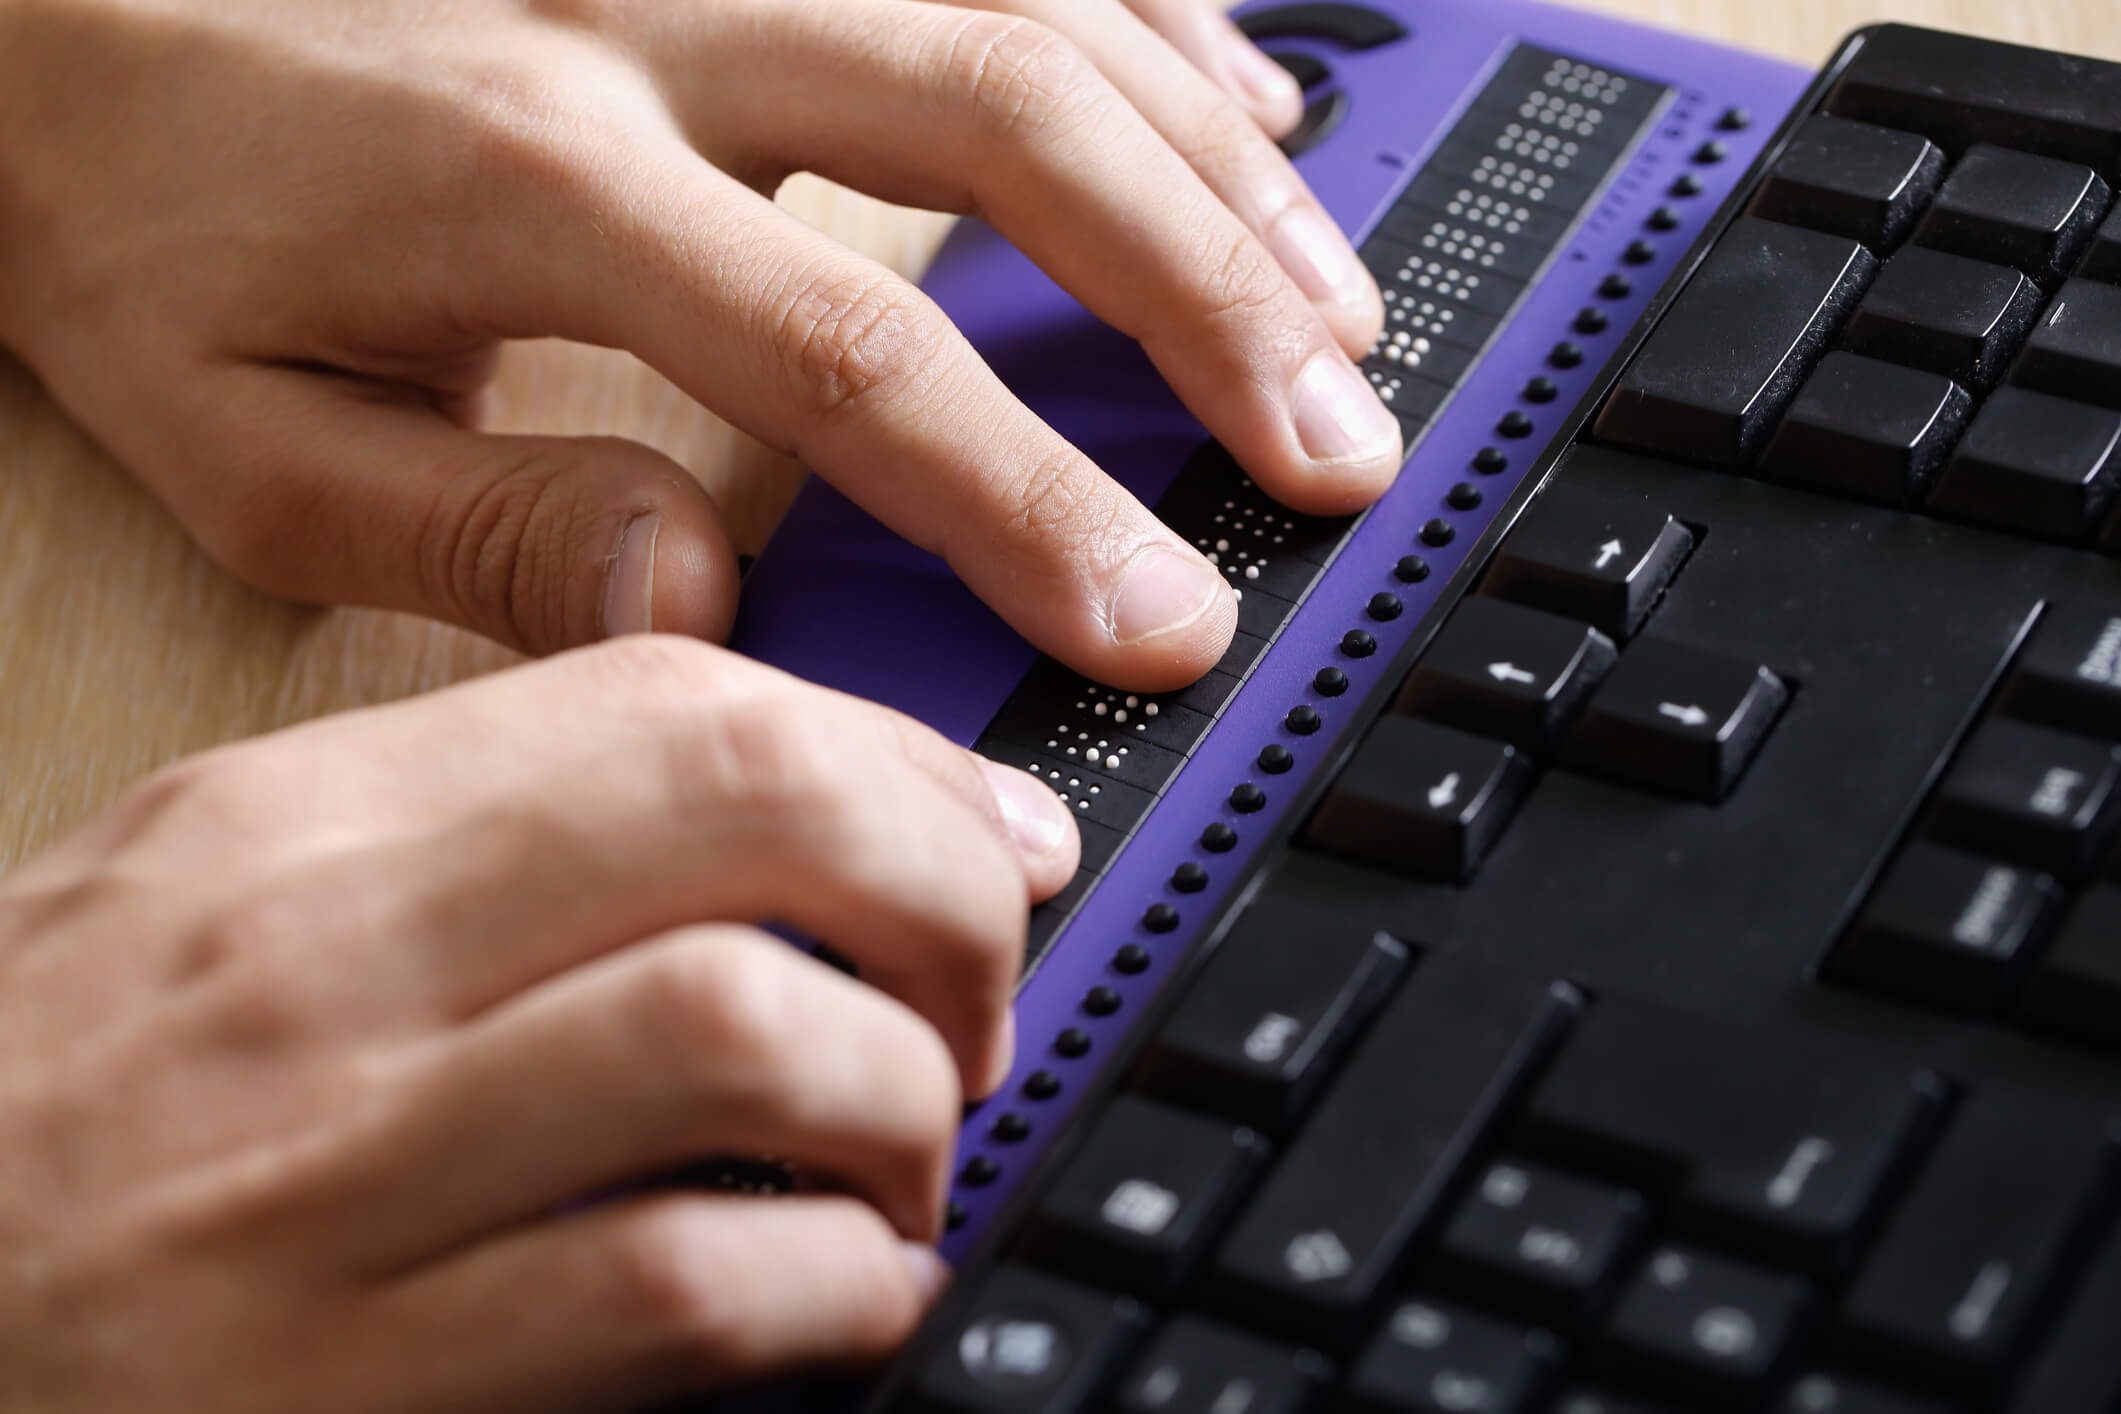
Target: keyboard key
column 1422, row 799
column 1200, row 1367
column 2031, row 795
column 1717, row 372
column 1949, row 929
column 1851, row 179
column 2075, row 350
column 1820, row 1393
column 1440, row 1359
column 2079, row 1367
column 1584, row 1401
column 1868, row 429
column 1540, row 1244
column 1275, row 1008
column 2070, row 675
column 1028, row 1344
column 2034, row 213
column 1764, row 1142
column 1961, row 1281
column 1953, row 316
column 1141, row 1197
column 1677, row 719
column 1509, row 672
column 1710, row 1327
column 2076, row 992
column 1601, row 562
column 2104, row 261
column 2031, row 463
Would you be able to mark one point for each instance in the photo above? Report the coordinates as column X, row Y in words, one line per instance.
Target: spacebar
column 1372, row 1169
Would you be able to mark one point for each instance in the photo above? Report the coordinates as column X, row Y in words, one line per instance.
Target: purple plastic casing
column 839, row 600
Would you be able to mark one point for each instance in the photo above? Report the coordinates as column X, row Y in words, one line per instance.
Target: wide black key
column 2075, row 349
column 1765, row 1142
column 1028, row 1344
column 1677, row 719
column 2070, row 675
column 1371, row 1169
column 1852, row 179
column 1868, row 429
column 2032, row 463
column 1950, row 929
column 1436, row 1358
column 1968, row 1270
column 1602, row 561
column 1422, row 799
column 1509, row 672
column 2080, row 1365
column 1542, row 1244
column 2031, row 795
column 1945, row 313
column 1709, row 1327
column 1277, row 1005
column 1143, row 1195
column 2034, row 213
column 1201, row 1367
column 1717, row 372
column 2104, row 260
column 2076, row 991
column 1821, row 1393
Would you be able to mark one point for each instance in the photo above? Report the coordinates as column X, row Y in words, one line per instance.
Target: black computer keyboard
column 1696, row 984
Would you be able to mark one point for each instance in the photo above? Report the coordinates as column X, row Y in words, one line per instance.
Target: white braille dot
column 1120, row 715
column 1150, row 710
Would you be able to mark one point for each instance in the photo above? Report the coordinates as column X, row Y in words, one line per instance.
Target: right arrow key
column 1677, row 719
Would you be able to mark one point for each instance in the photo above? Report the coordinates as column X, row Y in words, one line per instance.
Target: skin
column 332, row 1064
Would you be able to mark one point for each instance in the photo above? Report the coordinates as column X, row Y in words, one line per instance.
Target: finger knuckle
column 250, row 951
column 723, row 1013
column 782, row 760
column 1063, row 505
column 855, row 334
column 1240, row 283
column 1021, row 79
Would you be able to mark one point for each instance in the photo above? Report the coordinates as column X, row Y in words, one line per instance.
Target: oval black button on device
column 1354, row 26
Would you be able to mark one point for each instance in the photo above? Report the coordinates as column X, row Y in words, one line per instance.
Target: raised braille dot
column 1218, row 838
column 1411, row 569
column 1044, row 1084
column 1189, row 877
column 1161, row 918
column 1664, row 218
column 955, row 1216
column 1101, row 1001
column 1330, row 682
column 1687, row 185
column 1248, row 799
column 1465, row 496
column 979, row 1172
column 1591, row 321
column 1357, row 644
column 1011, row 1129
column 1490, row 461
column 1514, row 424
column 1710, row 153
column 1565, row 356
column 1735, row 120
column 1384, row 607
column 1541, row 390
column 1616, row 287
column 1303, row 719
column 1438, row 533
column 1072, row 1044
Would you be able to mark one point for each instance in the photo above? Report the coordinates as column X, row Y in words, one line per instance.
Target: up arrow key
column 1609, row 552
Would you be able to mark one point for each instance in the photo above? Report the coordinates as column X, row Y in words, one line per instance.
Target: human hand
column 267, row 252
column 313, row 1050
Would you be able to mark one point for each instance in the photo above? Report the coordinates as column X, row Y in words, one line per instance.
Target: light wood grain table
column 122, row 647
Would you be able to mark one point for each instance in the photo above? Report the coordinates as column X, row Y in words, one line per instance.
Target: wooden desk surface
column 122, row 647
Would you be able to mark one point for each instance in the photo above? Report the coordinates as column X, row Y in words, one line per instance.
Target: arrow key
column 1676, row 719
column 1506, row 671
column 1422, row 799
column 1604, row 563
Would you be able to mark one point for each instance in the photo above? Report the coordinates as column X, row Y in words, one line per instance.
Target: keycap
column 1306, row 69
column 1422, row 799
column 2013, row 208
column 1947, row 314
column 1714, row 376
column 1540, row 1243
column 1817, row 1392
column 1197, row 1366
column 1027, row 1344
column 1321, row 116
column 1676, row 719
column 1603, row 562
column 1504, row 671
column 2075, row 350
column 1277, row 1005
column 1351, row 26
column 2031, row 795
column 1962, row 1277
column 1868, row 429
column 1709, row 1327
column 2069, row 676
column 2036, row 464
column 1437, row 1358
column 2104, row 260
column 1137, row 1202
column 2079, row 1366
column 1851, row 179
column 2075, row 993
column 1950, row 929
column 1763, row 1141
column 1370, row 1170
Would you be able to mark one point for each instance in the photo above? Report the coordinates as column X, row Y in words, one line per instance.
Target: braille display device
column 1634, row 922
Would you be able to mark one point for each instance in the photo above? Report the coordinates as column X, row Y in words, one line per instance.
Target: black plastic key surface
column 1540, row 1243
column 1602, row 562
column 1435, row 1358
column 1705, row 1326
column 2036, row 464
column 2070, row 675
column 1949, row 928
column 1819, row 1392
column 1505, row 671
column 2034, row 213
column 1589, row 1401
column 1277, row 1005
column 2031, row 795
column 1851, row 179
column 1957, row 317
column 1354, row 26
column 2103, row 261
column 1027, row 1344
column 1143, row 1195
column 1677, row 719
column 2075, row 349
column 2079, row 1366
column 1717, row 372
column 1868, row 429
column 1422, row 799
column 2075, row 994
column 1196, row 1366
column 1973, row 1262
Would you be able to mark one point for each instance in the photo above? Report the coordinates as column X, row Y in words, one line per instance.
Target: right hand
column 329, row 1062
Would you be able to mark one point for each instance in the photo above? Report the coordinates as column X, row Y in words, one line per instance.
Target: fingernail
column 1338, row 416
column 1162, row 591
column 930, row 1272
column 1037, row 820
column 1261, row 79
column 629, row 578
column 1317, row 256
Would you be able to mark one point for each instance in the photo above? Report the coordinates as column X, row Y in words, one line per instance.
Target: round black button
column 1384, row 607
column 1490, row 461
column 1011, row 1129
column 1591, row 321
column 1275, row 759
column 1438, row 533
column 955, row 1216
column 1161, row 918
column 1357, row 644
column 1541, row 390
column 1331, row 682
column 1565, row 356
column 1687, row 185
column 1411, row 569
column 1735, row 120
column 980, row 1172
column 1710, row 153
column 1074, row 1043
column 1465, row 496
column 1616, row 287
column 1101, row 1001
column 1044, row 1084
column 1247, row 799
column 1664, row 218
column 1302, row 719
column 1218, row 838
column 1131, row 960
column 1189, row 877
column 1514, row 424
column 1639, row 253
